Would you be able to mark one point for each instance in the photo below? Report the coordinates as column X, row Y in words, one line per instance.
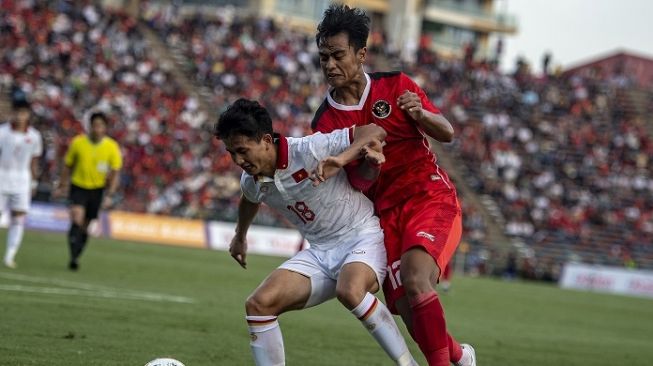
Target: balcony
column 466, row 15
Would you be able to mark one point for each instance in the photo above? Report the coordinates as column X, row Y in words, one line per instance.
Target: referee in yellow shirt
column 92, row 163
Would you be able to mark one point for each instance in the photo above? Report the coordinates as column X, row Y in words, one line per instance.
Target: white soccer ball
column 164, row 362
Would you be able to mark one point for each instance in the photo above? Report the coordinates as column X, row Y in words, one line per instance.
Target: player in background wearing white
column 347, row 256
column 20, row 149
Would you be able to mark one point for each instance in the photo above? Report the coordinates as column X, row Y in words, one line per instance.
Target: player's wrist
column 374, row 163
column 240, row 233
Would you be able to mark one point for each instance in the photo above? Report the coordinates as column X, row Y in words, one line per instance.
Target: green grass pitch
column 117, row 311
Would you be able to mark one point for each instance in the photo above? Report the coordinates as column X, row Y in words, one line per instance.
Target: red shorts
column 431, row 220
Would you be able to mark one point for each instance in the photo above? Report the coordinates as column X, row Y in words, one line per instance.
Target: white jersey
column 326, row 215
column 16, row 152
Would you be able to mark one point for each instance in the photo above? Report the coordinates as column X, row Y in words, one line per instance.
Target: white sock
column 377, row 319
column 14, row 238
column 266, row 341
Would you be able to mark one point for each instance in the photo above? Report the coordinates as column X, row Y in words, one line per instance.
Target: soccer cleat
column 469, row 356
column 73, row 266
column 11, row 264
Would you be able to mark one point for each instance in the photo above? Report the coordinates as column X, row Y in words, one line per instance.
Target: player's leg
column 445, row 279
column 457, row 352
column 298, row 283
column 431, row 234
column 78, row 199
column 18, row 205
column 418, row 276
column 14, row 237
column 356, row 283
column 92, row 211
column 281, row 291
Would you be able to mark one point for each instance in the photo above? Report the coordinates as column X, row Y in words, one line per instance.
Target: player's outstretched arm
column 363, row 136
column 435, row 125
column 246, row 212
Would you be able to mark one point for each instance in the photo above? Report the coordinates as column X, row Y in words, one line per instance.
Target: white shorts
column 15, row 201
column 323, row 266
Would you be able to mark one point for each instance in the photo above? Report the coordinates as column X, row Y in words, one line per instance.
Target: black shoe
column 73, row 266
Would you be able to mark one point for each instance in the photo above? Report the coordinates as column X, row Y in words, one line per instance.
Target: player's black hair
column 244, row 117
column 341, row 18
column 99, row 115
column 20, row 103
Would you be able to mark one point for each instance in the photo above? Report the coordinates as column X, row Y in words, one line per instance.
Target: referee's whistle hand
column 58, row 192
column 107, row 203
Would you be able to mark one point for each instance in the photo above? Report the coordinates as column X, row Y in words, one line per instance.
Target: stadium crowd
column 567, row 163
column 70, row 60
column 563, row 155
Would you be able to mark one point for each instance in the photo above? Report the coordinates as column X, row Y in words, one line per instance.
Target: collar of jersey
column 356, row 107
column 282, row 157
column 90, row 141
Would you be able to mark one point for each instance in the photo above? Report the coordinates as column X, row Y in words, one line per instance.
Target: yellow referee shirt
column 91, row 162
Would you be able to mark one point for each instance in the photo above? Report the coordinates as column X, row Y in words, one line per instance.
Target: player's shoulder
column 301, row 145
column 111, row 142
column 5, row 127
column 247, row 181
column 78, row 139
column 317, row 118
column 34, row 132
column 386, row 75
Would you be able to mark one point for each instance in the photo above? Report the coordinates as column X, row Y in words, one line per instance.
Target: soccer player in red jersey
column 413, row 196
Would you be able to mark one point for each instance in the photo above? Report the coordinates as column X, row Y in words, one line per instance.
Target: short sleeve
column 71, row 154
column 323, row 145
column 116, row 157
column 408, row 84
column 248, row 187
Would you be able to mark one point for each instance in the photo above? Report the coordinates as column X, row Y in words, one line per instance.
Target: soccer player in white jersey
column 346, row 258
column 20, row 148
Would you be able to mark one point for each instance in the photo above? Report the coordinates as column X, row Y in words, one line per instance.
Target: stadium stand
column 566, row 161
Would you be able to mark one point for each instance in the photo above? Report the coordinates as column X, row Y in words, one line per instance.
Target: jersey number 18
column 302, row 211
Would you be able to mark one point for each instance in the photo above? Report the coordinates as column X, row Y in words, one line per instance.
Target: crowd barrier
column 166, row 230
column 607, row 279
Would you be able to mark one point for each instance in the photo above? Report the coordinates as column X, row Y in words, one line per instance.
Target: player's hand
column 107, row 202
column 373, row 156
column 238, row 250
column 34, row 187
column 58, row 192
column 326, row 169
column 411, row 104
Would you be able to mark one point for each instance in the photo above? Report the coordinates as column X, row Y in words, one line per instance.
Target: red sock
column 430, row 329
column 455, row 352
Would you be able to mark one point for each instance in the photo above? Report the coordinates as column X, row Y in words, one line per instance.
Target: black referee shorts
column 90, row 199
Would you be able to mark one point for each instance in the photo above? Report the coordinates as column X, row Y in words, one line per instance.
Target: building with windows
column 446, row 26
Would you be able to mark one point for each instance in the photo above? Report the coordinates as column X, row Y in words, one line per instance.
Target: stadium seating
column 566, row 160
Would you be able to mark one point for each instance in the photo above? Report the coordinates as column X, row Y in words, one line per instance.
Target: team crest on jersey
column 381, row 108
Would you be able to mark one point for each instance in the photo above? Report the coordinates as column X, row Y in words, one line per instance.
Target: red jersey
column 410, row 165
